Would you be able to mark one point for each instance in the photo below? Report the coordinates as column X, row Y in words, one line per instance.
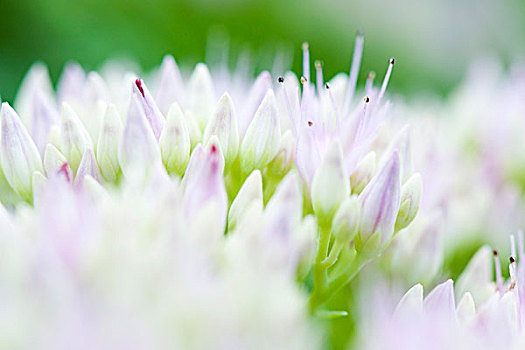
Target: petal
column 18, row 153
column 380, row 201
column 261, row 142
column 250, row 192
column 138, row 150
column 108, row 143
column 147, row 106
column 175, row 141
column 170, row 87
column 223, row 124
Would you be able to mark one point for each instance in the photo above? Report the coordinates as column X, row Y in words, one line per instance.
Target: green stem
column 320, row 271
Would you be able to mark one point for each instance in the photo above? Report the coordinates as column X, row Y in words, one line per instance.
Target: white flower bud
column 175, row 141
column 170, row 88
column 54, row 160
column 138, row 150
column 380, row 202
column 201, row 95
column 223, row 124
column 108, row 142
column 88, row 167
column 364, row 172
column 261, row 142
column 282, row 162
column 344, row 227
column 250, row 192
column 330, row 186
column 74, row 139
column 18, row 153
column 346, row 220
column 410, row 198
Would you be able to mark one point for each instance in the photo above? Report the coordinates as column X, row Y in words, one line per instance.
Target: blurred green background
column 433, row 40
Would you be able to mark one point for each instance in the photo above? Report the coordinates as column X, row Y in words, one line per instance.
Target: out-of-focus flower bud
column 44, row 117
column 346, row 220
column 287, row 197
column 175, row 142
column 36, row 79
column 344, row 227
column 170, row 88
column 282, row 163
column 250, row 193
column 330, row 186
column 261, row 142
column 74, row 139
column 254, row 99
column 401, row 142
column 55, row 163
column 148, row 106
column 410, row 198
column 202, row 95
column 380, row 202
column 18, row 153
column 306, row 238
column 107, row 146
column 138, row 150
column 364, row 172
column 223, row 124
column 88, row 167
column 203, row 181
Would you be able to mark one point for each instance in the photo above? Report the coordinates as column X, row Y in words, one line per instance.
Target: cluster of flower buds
column 489, row 314
column 275, row 180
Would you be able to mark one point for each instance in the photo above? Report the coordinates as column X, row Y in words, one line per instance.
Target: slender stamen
column 386, row 79
column 335, row 109
column 499, row 278
column 288, row 107
column 521, row 251
column 362, row 120
column 306, row 61
column 354, row 71
column 512, row 246
column 512, row 273
column 319, row 77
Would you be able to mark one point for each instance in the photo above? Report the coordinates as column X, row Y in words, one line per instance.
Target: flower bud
column 330, row 186
column 282, row 162
column 364, row 172
column 380, row 201
column 107, row 146
column 170, row 87
column 54, row 161
column 344, row 227
column 287, row 198
column 88, row 167
column 18, row 153
column 223, row 124
column 202, row 95
column 175, row 142
column 138, row 150
column 346, row 220
column 74, row 139
column 401, row 142
column 250, row 192
column 259, row 88
column 148, row 107
column 36, row 79
column 261, row 142
column 410, row 199
column 44, row 117
column 203, row 181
